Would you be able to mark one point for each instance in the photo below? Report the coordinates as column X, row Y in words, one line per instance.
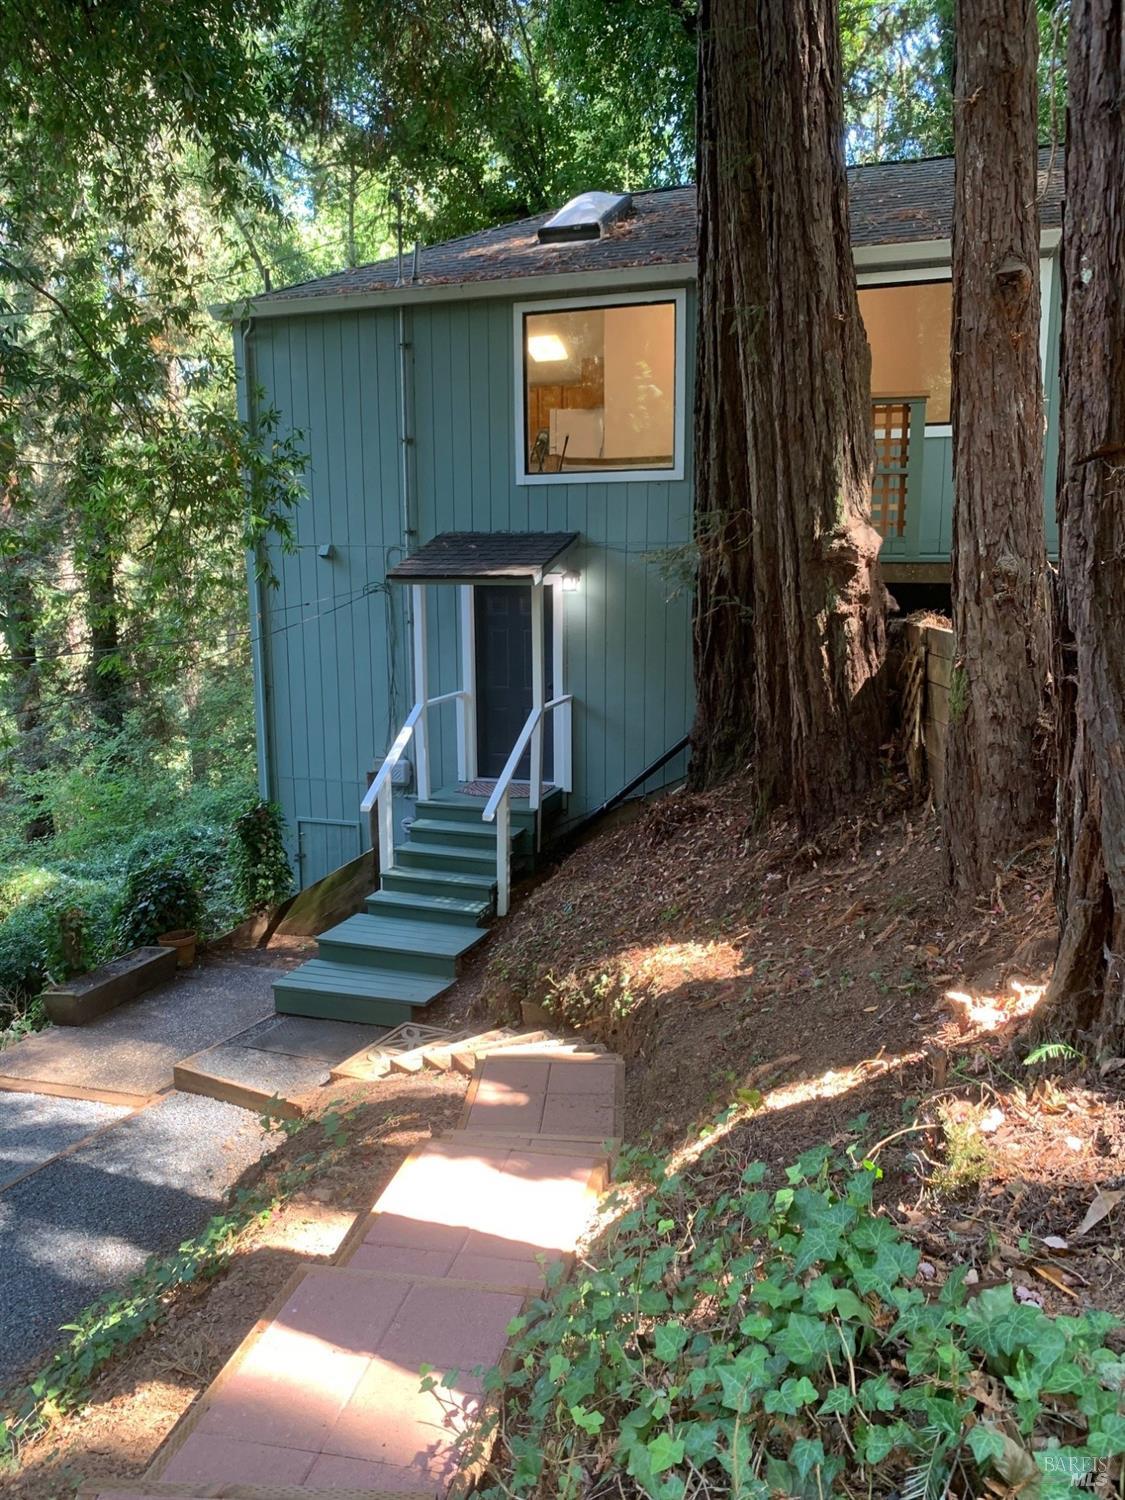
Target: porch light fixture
column 546, row 348
column 570, row 582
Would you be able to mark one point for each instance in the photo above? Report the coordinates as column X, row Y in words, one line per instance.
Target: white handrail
column 380, row 793
column 391, row 759
column 507, row 775
column 498, row 806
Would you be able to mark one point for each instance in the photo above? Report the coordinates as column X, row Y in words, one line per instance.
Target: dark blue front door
column 503, row 651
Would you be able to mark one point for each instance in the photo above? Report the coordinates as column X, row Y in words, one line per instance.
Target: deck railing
column 498, row 807
column 899, row 424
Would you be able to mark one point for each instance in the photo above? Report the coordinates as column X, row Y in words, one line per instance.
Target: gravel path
column 35, row 1127
column 86, row 1222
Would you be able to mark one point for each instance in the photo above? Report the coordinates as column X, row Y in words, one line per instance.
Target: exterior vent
column 586, row 217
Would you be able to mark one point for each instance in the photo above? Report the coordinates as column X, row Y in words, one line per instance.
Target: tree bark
column 1085, row 1001
column 772, row 113
column 21, row 680
column 723, row 738
column 997, row 798
column 104, row 680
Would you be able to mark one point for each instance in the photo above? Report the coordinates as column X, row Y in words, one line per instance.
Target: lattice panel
column 892, row 461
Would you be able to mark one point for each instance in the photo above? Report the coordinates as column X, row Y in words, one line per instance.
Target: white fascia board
column 901, row 257
column 563, row 283
column 925, row 253
column 908, row 254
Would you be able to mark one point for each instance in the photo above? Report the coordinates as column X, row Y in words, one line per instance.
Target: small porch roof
column 457, row 556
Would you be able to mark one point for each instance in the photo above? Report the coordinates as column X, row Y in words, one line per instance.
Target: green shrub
column 735, row 1341
column 54, row 924
column 159, row 896
column 262, row 877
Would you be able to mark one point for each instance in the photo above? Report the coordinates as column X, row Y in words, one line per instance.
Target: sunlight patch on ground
column 669, row 964
column 828, row 1085
column 306, row 1230
column 990, row 1012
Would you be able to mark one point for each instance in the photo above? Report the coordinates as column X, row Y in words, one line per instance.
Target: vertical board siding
column 627, row 647
column 335, row 635
column 338, row 677
column 333, row 632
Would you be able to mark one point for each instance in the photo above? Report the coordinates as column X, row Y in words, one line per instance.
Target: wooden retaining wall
column 937, row 643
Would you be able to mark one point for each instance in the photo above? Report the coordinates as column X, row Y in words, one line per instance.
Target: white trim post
column 538, row 697
column 503, row 856
column 562, row 726
column 467, row 704
column 421, row 693
column 384, row 818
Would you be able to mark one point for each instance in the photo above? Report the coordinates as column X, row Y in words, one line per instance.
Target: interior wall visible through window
column 600, row 388
column 908, row 328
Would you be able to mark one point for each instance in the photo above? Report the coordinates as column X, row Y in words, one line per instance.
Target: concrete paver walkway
column 324, row 1396
column 280, row 1058
column 128, row 1055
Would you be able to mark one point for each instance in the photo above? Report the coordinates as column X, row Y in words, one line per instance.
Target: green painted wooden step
column 384, row 942
column 446, row 857
column 460, row 835
column 453, row 808
column 439, row 883
column 426, row 909
column 350, row 992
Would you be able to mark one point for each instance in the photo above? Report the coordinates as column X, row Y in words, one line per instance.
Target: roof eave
column 514, row 572
column 884, row 256
column 665, row 273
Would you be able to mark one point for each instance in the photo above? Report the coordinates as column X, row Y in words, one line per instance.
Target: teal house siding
column 626, row 637
column 332, row 659
column 332, row 636
column 407, row 415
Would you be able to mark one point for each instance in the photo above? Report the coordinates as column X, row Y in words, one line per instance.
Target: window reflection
column 600, row 388
column 908, row 330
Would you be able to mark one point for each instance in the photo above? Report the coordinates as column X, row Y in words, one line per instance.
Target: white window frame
column 911, row 276
column 678, row 297
column 872, row 277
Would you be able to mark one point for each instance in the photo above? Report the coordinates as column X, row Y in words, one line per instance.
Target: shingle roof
column 484, row 554
column 890, row 203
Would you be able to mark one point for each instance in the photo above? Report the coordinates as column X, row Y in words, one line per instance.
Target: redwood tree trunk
column 996, row 798
column 1086, row 998
column 775, row 206
column 104, row 681
column 20, row 676
column 723, row 740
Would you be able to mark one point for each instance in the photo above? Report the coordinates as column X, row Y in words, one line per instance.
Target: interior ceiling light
column 545, row 347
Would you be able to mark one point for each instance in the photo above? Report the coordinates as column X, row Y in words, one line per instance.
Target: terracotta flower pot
column 184, row 944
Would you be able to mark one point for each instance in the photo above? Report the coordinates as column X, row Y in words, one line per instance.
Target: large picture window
column 601, row 389
column 908, row 329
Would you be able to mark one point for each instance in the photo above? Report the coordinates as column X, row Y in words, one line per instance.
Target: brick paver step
column 499, row 1214
column 151, row 1489
column 574, row 1098
column 325, row 1393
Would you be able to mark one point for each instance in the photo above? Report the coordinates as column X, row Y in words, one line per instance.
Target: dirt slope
column 804, row 985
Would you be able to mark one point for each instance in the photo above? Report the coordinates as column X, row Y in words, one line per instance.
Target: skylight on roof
column 585, row 218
